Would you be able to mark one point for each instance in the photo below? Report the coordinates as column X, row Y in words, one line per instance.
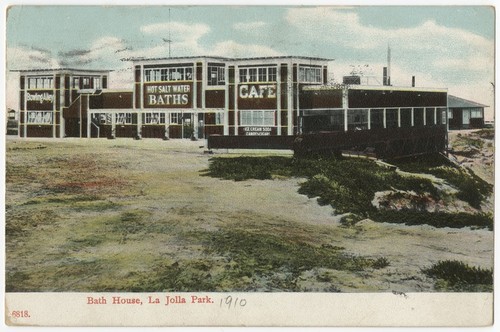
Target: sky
column 442, row 46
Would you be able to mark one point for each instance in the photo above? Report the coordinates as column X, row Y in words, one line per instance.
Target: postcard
column 322, row 165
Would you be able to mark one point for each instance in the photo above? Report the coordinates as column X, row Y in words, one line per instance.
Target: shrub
column 460, row 276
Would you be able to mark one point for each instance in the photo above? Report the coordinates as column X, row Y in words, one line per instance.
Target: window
column 357, row 119
column 476, row 113
column 175, row 118
column 154, row 118
column 168, row 74
column 97, row 83
column 450, row 114
column 257, row 118
column 216, row 75
column 429, row 116
column 41, row 83
column 260, row 74
column 123, row 118
column 40, row 117
column 76, row 82
column 310, row 75
column 219, row 118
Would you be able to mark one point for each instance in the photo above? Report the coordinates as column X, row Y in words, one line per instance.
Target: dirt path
column 123, row 214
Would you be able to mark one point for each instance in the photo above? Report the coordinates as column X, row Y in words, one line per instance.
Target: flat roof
column 454, row 101
column 228, row 59
column 373, row 87
column 45, row 70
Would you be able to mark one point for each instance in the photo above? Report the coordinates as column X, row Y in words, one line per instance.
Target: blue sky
column 449, row 46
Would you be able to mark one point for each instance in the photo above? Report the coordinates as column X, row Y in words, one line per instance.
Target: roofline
column 138, row 59
column 62, row 70
column 374, row 87
column 469, row 101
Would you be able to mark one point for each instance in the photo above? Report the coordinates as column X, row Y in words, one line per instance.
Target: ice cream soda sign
column 168, row 95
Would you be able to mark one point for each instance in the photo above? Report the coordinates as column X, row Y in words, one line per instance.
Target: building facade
column 202, row 96
column 45, row 96
column 465, row 114
column 198, row 97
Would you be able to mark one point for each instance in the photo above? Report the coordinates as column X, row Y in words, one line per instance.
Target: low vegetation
column 349, row 185
column 472, row 189
column 457, row 276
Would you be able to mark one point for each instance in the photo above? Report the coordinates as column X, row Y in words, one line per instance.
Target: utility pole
column 169, row 39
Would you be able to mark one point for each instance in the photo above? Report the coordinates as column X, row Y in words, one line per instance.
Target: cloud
column 249, row 26
column 177, row 30
column 438, row 55
column 231, row 48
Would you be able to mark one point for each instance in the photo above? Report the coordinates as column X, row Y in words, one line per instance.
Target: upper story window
column 216, row 75
column 258, row 74
column 46, row 82
column 168, row 74
column 86, row 82
column 310, row 75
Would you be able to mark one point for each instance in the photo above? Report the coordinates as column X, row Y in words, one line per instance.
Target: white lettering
column 40, row 97
column 257, row 91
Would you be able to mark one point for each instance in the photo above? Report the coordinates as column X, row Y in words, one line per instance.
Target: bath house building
column 196, row 97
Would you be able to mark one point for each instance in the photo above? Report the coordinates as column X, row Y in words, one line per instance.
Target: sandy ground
column 162, row 182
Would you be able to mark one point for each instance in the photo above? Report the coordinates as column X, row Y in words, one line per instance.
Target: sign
column 257, row 91
column 167, row 95
column 39, row 97
column 257, row 131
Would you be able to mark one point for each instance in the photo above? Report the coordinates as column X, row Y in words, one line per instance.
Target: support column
column 425, row 116
column 345, row 120
column 236, row 94
column 399, row 117
column 113, row 125
column 385, row 117
column 412, row 116
column 89, row 118
column 345, row 105
column 278, row 99
column 435, row 115
column 195, row 124
column 226, row 101
column 289, row 94
column 167, row 126
column 369, row 119
column 139, row 124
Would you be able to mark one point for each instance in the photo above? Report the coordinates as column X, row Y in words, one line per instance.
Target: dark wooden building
column 47, row 95
column 465, row 114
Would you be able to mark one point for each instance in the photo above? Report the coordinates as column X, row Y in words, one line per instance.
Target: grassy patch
column 22, row 223
column 349, row 185
column 458, row 276
column 436, row 219
column 278, row 259
column 472, row 189
column 244, row 168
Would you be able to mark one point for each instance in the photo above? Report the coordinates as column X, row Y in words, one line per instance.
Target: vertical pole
column 236, row 93
column 399, row 117
column 345, row 105
column 412, row 116
column 385, row 117
column 278, row 99
column 226, row 100
column 369, row 119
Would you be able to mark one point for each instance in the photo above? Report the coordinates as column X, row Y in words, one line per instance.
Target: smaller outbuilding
column 465, row 114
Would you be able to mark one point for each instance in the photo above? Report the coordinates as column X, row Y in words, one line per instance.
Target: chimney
column 385, row 78
column 413, row 81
